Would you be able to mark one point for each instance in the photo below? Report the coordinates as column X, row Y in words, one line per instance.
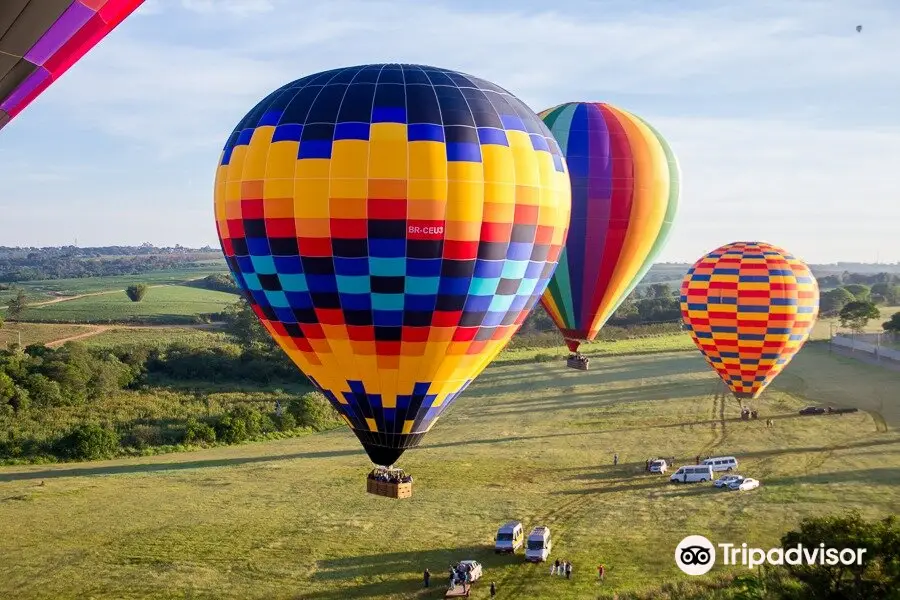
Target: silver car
column 727, row 480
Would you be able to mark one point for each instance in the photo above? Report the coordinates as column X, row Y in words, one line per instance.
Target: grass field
column 38, row 333
column 42, row 290
column 532, row 441
column 163, row 304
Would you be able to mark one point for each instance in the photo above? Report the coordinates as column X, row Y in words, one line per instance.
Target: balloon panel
column 625, row 189
column 41, row 39
column 749, row 307
column 392, row 226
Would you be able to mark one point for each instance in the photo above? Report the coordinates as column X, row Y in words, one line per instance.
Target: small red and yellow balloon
column 749, row 307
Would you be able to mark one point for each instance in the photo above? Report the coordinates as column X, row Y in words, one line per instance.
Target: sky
column 784, row 118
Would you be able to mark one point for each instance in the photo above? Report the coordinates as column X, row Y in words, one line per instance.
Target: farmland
column 528, row 440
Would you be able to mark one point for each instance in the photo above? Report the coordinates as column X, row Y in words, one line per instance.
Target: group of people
column 460, row 574
column 579, row 359
column 390, row 476
column 561, row 568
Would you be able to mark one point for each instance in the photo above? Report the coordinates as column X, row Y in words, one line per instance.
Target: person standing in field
column 568, row 570
column 427, row 577
column 493, row 589
column 601, row 572
column 616, row 459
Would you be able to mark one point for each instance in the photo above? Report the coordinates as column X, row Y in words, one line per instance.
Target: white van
column 692, row 473
column 539, row 544
column 510, row 537
column 721, row 463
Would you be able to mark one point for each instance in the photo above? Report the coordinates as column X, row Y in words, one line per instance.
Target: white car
column 658, row 466
column 473, row 567
column 746, row 484
column 727, row 480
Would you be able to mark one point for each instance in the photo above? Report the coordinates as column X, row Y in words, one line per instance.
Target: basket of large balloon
column 578, row 361
column 389, row 482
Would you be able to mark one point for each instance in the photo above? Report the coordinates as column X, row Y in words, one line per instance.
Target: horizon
column 785, row 109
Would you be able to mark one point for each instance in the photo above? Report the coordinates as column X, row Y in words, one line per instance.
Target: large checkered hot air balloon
column 41, row 39
column 392, row 226
column 749, row 307
column 625, row 189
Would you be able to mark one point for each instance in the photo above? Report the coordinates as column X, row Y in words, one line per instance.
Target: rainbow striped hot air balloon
column 749, row 307
column 392, row 226
column 625, row 189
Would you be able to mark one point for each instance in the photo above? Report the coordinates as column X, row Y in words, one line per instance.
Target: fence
column 879, row 345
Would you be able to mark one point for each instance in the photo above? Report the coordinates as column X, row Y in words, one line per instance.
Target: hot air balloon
column 749, row 307
column 858, row 28
column 625, row 188
column 41, row 39
column 392, row 226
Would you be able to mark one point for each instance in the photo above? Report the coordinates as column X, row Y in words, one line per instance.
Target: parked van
column 510, row 537
column 539, row 545
column 721, row 463
column 692, row 473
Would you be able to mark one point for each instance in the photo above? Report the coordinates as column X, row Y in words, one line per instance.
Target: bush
column 543, row 357
column 136, row 292
column 89, row 441
column 144, row 436
column 231, row 430
column 285, row 422
column 197, row 432
column 314, row 411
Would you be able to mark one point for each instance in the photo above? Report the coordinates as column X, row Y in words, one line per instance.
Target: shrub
column 89, row 441
column 197, row 432
column 136, row 292
column 231, row 430
column 286, row 421
column 314, row 411
column 144, row 436
column 543, row 357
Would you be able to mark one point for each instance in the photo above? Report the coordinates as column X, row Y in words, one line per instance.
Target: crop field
column 49, row 289
column 528, row 440
column 162, row 304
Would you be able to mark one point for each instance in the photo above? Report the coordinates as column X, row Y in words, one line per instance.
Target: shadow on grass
column 394, row 569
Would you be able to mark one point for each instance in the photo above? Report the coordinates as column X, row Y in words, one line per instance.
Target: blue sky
column 783, row 117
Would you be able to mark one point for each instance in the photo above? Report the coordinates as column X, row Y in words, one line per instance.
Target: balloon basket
column 579, row 362
column 389, row 483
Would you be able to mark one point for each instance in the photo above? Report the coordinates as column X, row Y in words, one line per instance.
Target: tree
column 877, row 577
column 136, row 292
column 860, row 292
column 833, row 301
column 16, row 306
column 659, row 290
column 855, row 315
column 892, row 325
column 889, row 293
column 241, row 324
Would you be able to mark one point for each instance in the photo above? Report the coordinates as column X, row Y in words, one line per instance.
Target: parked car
column 510, row 537
column 692, row 473
column 812, row 410
column 473, row 567
column 744, row 485
column 727, row 480
column 658, row 466
column 721, row 463
column 539, row 544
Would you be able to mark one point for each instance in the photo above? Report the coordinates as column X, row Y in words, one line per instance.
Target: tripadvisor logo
column 696, row 555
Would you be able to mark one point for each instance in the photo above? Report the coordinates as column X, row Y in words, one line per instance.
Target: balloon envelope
column 41, row 39
column 392, row 226
column 625, row 189
column 749, row 307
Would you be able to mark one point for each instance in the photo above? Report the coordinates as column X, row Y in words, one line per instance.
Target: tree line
column 37, row 382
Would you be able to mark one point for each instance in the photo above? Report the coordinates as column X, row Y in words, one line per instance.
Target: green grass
column 532, row 441
column 38, row 291
column 165, row 304
column 155, row 336
column 38, row 333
